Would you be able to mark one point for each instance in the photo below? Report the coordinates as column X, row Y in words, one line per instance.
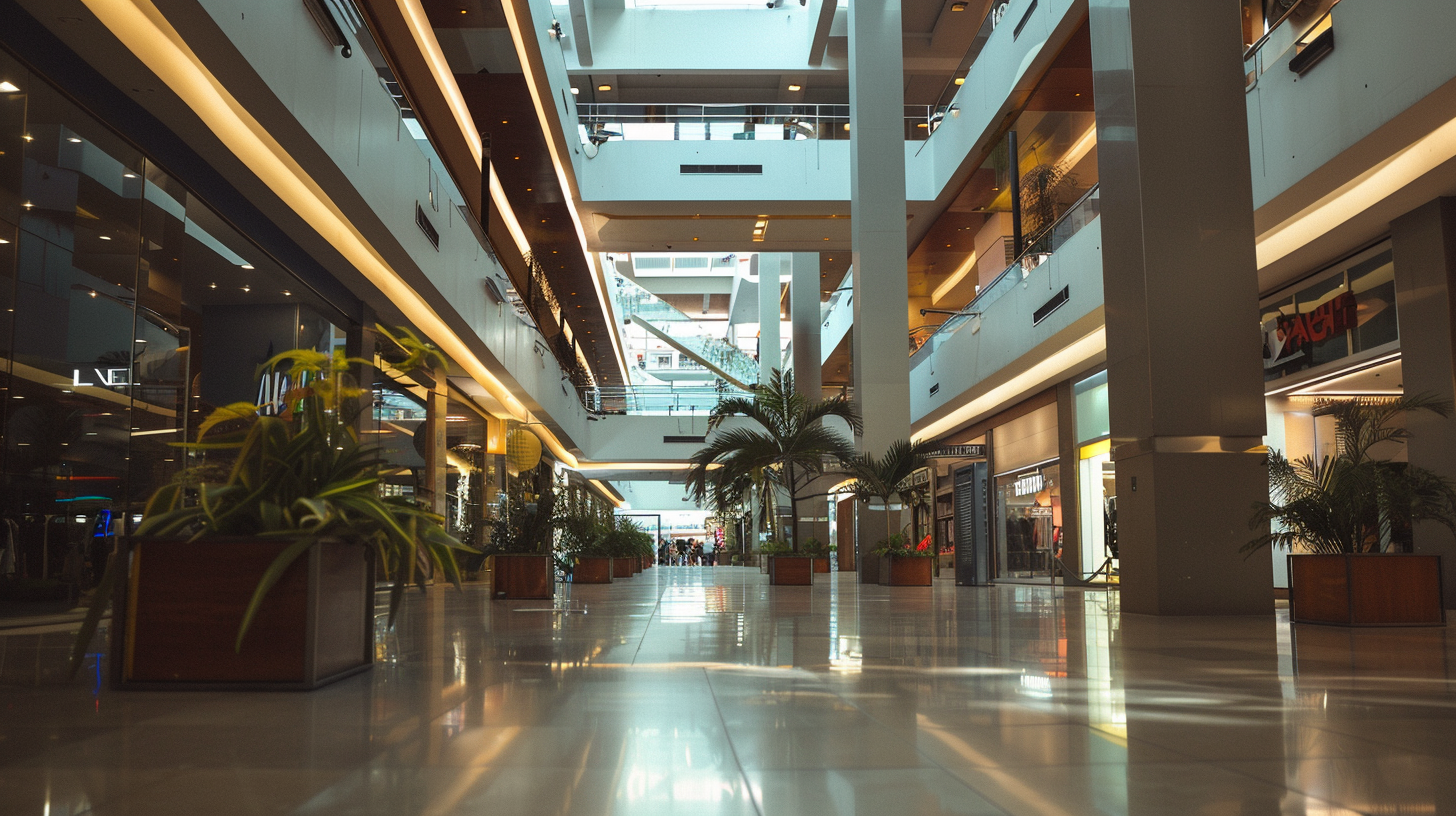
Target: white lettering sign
column 1028, row 485
column 104, row 378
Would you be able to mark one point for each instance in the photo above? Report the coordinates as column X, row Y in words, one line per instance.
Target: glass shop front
column 1028, row 496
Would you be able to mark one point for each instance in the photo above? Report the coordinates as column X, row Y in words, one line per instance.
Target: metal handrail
column 1016, row 266
column 1259, row 43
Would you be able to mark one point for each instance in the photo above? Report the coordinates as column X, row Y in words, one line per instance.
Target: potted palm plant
column 787, row 452
column 819, row 551
column 520, row 551
column 878, row 482
column 262, row 575
column 1342, row 515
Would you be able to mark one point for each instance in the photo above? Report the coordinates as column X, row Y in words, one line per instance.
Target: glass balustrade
column 631, row 302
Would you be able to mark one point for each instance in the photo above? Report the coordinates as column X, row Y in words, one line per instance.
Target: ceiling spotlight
column 8, row 87
column 28, row 137
column 287, row 293
column 212, row 285
column 796, row 87
column 604, row 88
column 73, row 140
column 104, row 237
column 246, row 288
column 247, row 266
column 960, row 80
column 846, row 127
column 128, row 175
column 575, row 91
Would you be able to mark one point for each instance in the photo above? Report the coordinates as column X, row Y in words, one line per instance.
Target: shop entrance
column 1029, row 537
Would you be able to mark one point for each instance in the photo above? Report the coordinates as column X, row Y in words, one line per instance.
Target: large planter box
column 636, row 561
column 622, row 568
column 1366, row 589
column 592, row 569
column 906, row 571
column 821, row 565
column 522, row 577
column 178, row 612
column 790, row 570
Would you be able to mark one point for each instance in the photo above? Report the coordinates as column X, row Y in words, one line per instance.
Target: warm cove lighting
column 568, row 194
column 955, row 278
column 1353, row 197
column 144, row 30
column 1075, row 354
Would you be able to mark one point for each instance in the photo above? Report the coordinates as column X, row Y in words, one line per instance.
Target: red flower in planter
column 924, row 544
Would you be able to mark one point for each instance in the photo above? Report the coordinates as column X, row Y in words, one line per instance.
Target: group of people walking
column 686, row 553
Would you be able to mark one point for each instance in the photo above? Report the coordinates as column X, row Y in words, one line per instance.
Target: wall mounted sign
column 1028, row 485
column 958, row 452
column 103, row 377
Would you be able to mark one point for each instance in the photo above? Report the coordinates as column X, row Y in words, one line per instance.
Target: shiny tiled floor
column 704, row 691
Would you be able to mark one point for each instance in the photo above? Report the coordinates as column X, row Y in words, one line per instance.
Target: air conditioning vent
column 722, row 169
column 1016, row 32
column 697, row 440
column 426, row 227
column 1050, row 306
column 934, row 388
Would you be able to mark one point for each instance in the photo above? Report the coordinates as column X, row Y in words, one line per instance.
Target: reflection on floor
column 705, row 691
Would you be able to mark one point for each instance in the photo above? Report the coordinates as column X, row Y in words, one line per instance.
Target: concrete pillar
column 437, row 407
column 1179, row 275
column 804, row 313
column 877, row 208
column 769, row 269
column 1423, row 245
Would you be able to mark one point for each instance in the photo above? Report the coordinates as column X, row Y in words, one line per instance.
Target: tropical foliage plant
column 302, row 477
column 883, row 478
column 1351, row 501
column 790, row 448
column 898, row 546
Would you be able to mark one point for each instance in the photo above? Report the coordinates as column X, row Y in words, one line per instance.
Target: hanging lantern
column 523, row 451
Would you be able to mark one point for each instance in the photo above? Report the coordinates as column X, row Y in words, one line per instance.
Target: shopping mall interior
column 727, row 406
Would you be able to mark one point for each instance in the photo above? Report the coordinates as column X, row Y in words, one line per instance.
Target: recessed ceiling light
column 8, row 87
column 604, row 87
column 796, row 87
column 505, row 122
column 244, row 266
column 128, row 175
column 1076, row 94
column 575, row 91
column 287, row 293
column 517, row 158
column 73, row 140
column 463, row 11
column 246, row 288
column 28, row 137
column 212, row 285
column 960, row 80
column 105, row 237
column 922, row 124
column 4, row 240
column 695, row 237
column 957, row 6
column 846, row 126
column 528, row 189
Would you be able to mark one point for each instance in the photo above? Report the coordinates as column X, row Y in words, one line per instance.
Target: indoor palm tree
column 1352, row 502
column 882, row 478
column 789, row 449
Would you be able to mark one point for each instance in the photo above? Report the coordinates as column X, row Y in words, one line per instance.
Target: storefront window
column 130, row 311
column 1348, row 310
column 1096, row 485
column 1029, row 506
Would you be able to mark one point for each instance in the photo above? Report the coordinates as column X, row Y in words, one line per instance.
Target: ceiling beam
column 819, row 37
column 580, row 34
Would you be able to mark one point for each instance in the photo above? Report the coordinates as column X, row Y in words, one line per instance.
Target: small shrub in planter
column 905, row 565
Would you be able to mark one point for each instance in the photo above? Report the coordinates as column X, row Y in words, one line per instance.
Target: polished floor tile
column 705, row 691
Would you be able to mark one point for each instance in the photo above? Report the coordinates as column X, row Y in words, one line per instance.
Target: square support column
column 1181, row 290
column 1423, row 246
column 770, row 267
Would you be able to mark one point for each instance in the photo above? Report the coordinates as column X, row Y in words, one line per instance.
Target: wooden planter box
column 622, row 568
column 636, row 564
column 906, row 571
column 522, row 577
column 821, row 565
column 592, row 569
column 1366, row 589
column 790, row 570
column 177, row 616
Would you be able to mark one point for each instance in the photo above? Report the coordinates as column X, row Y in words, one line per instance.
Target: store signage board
column 1028, row 485
column 958, row 452
column 104, row 377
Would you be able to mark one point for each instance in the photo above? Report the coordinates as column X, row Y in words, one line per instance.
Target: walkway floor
column 704, row 691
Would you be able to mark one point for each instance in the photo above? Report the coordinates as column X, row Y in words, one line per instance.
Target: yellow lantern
column 523, row 451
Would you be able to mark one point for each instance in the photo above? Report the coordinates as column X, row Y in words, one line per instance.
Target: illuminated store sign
column 103, row 377
column 1028, row 485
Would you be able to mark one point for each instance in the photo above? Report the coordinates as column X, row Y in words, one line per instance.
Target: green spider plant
column 302, row 477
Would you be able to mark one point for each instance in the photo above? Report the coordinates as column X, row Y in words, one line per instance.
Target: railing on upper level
column 632, row 302
column 730, row 122
column 1295, row 28
column 1077, row 216
column 660, row 400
